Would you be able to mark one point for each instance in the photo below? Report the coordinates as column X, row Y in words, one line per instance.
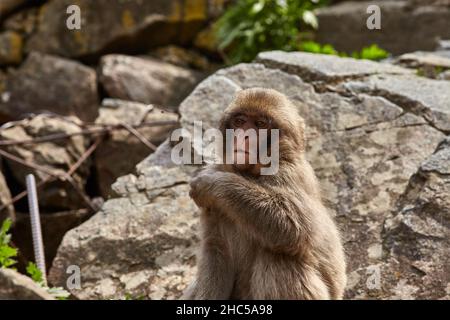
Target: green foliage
column 7, row 253
column 314, row 47
column 251, row 26
column 36, row 274
column 372, row 52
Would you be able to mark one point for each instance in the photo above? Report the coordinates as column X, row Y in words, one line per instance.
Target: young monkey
column 265, row 236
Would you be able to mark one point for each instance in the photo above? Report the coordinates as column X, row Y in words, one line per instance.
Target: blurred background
column 88, row 91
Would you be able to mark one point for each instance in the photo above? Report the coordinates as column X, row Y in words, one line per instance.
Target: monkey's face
column 247, row 139
column 263, row 112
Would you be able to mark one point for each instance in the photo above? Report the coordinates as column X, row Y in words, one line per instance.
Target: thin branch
column 84, row 156
column 141, row 138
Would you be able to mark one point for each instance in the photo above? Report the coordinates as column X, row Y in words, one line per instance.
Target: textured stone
column 48, row 83
column 146, row 80
column 310, row 66
column 15, row 286
column 425, row 97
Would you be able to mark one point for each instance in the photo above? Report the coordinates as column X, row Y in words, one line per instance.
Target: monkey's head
column 260, row 111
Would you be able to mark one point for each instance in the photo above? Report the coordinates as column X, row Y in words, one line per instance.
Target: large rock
column 57, row 156
column 15, row 286
column 48, row 83
column 402, row 26
column 417, row 235
column 424, row 97
column 313, row 67
column 109, row 156
column 118, row 26
column 146, row 80
column 364, row 148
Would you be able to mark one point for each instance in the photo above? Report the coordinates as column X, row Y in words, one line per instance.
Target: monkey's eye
column 238, row 122
column 262, row 124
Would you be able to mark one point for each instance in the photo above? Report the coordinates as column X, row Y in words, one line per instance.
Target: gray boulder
column 146, row 80
column 49, row 83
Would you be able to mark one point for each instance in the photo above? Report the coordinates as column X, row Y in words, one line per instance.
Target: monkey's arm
column 279, row 221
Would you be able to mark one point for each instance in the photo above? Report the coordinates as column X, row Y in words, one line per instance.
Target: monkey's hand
column 203, row 186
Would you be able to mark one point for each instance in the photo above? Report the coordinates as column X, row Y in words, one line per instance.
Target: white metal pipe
column 38, row 244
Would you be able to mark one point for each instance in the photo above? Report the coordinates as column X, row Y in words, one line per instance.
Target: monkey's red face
column 247, row 138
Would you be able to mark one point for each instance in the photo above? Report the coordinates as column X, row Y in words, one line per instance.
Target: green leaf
column 7, row 253
column 34, row 272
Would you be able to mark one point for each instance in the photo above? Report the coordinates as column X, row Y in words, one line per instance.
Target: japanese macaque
column 265, row 236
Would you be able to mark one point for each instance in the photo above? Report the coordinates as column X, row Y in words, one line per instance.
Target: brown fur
column 267, row 237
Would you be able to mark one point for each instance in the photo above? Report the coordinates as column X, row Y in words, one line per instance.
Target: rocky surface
column 145, row 80
column 313, row 67
column 429, row 98
column 434, row 65
column 51, row 84
column 110, row 154
column 134, row 24
column 15, row 286
column 374, row 150
column 56, row 157
column 402, row 25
